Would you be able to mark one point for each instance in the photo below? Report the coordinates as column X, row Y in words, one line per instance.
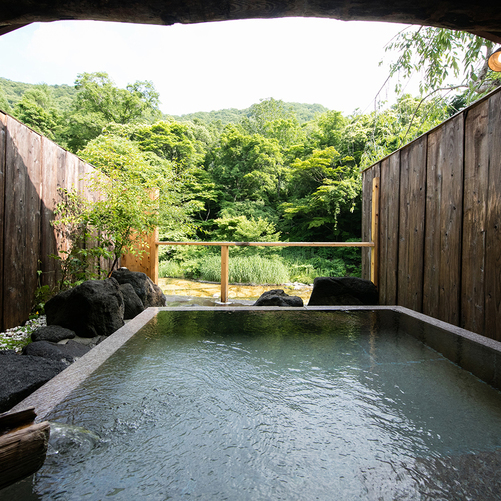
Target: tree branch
column 426, row 97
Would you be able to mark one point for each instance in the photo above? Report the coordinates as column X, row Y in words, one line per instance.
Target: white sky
column 211, row 66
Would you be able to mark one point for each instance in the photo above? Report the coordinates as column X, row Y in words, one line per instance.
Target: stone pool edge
column 473, row 352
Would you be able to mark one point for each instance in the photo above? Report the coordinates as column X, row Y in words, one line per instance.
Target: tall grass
column 248, row 266
column 170, row 269
column 305, row 273
column 246, row 269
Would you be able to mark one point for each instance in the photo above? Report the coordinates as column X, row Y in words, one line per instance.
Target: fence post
column 154, row 257
column 225, row 256
column 146, row 259
column 375, row 231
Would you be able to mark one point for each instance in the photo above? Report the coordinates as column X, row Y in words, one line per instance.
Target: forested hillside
column 12, row 92
column 273, row 172
column 303, row 112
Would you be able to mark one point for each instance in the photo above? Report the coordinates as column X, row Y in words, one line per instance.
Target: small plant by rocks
column 17, row 338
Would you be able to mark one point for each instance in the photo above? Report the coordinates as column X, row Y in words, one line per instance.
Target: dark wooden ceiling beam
column 480, row 16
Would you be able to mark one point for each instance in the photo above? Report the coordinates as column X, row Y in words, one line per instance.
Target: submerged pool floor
column 222, row 405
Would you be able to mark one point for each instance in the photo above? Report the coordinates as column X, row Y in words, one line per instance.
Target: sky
column 211, row 66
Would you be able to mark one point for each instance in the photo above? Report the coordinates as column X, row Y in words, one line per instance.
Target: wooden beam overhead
column 482, row 17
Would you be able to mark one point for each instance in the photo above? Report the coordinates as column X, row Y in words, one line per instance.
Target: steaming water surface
column 248, row 406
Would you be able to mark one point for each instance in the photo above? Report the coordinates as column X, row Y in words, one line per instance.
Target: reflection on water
column 180, row 287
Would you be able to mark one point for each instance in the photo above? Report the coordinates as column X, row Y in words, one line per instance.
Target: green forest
column 276, row 171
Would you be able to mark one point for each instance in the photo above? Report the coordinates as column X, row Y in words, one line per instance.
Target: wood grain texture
column 375, row 232
column 443, row 227
column 389, row 222
column 493, row 223
column 476, row 174
column 480, row 17
column 451, row 265
column 451, row 216
column 33, row 196
column 22, row 452
column 22, row 226
column 367, row 178
column 50, row 196
column 432, row 249
column 411, row 226
column 11, row 420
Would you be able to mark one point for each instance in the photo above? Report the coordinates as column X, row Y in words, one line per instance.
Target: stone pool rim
column 473, row 352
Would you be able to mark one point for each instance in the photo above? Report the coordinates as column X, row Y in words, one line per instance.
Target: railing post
column 375, row 231
column 225, row 257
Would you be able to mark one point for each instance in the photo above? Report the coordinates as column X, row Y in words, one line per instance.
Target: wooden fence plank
column 389, row 217
column 443, row 228
column 432, row 249
column 411, row 227
column 3, row 132
column 451, row 215
column 393, row 201
column 493, row 224
column 474, row 223
column 375, row 232
column 50, row 196
column 33, row 220
column 383, row 230
column 71, row 172
column 22, row 227
column 61, row 174
column 367, row 178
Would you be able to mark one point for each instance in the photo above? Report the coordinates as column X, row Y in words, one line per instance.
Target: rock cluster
column 93, row 308
column 327, row 291
column 343, row 291
column 22, row 375
column 77, row 320
column 277, row 297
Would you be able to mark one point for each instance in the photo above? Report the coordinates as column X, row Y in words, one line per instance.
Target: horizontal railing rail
column 274, row 244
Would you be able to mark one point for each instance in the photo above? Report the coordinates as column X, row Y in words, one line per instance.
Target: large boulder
column 149, row 293
column 343, row 291
column 53, row 333
column 277, row 297
column 22, row 375
column 66, row 353
column 133, row 304
column 93, row 308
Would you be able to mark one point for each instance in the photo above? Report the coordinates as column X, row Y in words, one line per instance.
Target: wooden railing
column 225, row 246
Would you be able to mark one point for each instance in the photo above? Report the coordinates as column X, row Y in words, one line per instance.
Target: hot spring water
column 290, row 405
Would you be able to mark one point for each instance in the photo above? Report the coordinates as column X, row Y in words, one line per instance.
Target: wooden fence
column 440, row 221
column 31, row 170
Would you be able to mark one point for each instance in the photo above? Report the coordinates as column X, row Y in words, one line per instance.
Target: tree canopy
column 276, row 171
